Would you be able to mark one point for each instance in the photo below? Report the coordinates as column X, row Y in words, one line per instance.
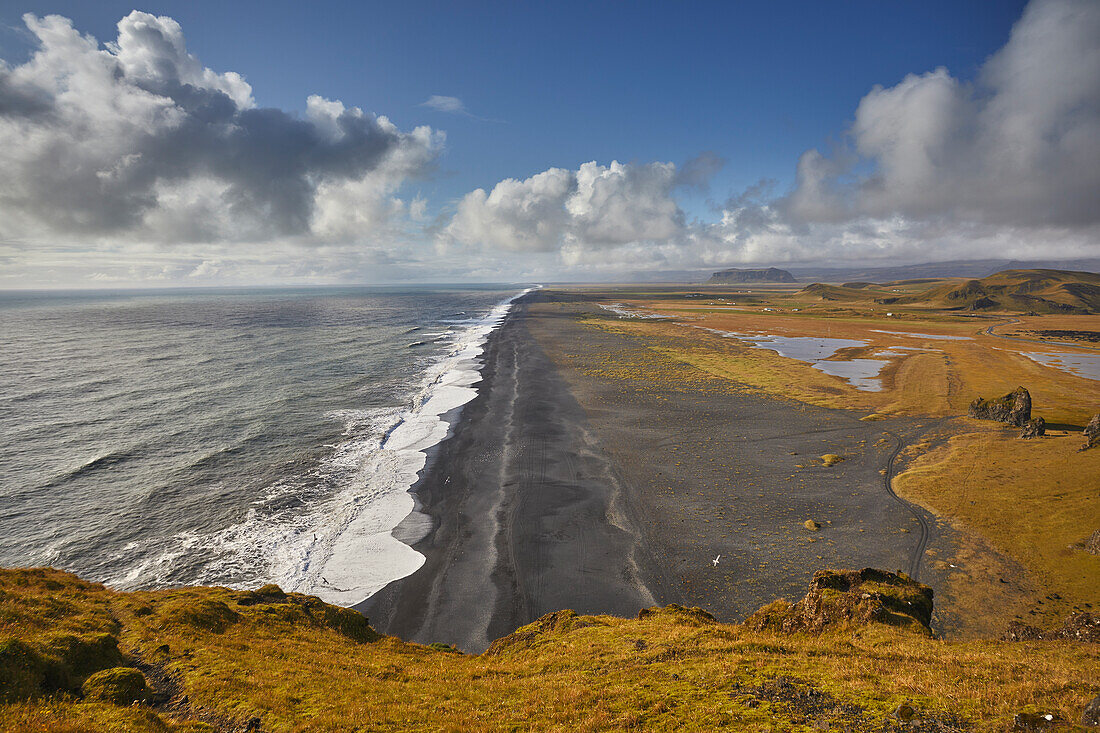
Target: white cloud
column 137, row 141
column 1020, row 147
column 133, row 161
column 441, row 103
column 592, row 208
column 937, row 168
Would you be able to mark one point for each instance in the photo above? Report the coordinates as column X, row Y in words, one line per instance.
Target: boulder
column 1034, row 428
column 851, row 597
column 903, row 712
column 1092, row 433
column 1014, row 408
column 1091, row 715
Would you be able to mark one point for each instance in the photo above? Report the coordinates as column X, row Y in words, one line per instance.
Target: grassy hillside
column 848, row 656
column 1038, row 291
column 1023, row 291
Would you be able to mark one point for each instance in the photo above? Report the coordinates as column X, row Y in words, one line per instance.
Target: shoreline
column 519, row 506
column 538, row 501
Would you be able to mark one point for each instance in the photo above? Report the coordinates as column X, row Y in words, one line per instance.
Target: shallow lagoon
column 860, row 373
column 814, row 350
column 1082, row 365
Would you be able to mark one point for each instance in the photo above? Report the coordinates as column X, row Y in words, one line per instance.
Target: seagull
column 715, row 561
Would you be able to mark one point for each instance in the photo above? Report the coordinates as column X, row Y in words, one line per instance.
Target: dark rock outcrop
column 1034, row 428
column 982, row 304
column 762, row 275
column 1014, row 408
column 1092, row 433
column 1092, row 544
column 839, row 597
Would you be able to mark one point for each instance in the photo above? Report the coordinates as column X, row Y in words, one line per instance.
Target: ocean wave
column 329, row 532
column 102, row 461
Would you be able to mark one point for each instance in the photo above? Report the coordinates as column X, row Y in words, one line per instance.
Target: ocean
column 229, row 437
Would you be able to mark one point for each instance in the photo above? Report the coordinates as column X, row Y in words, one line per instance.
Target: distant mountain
column 1027, row 291
column 763, row 275
column 853, row 274
column 935, row 270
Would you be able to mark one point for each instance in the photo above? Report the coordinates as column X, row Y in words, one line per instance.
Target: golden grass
column 924, row 377
column 1033, row 500
column 666, row 671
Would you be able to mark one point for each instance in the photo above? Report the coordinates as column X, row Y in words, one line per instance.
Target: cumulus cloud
column 137, row 140
column 593, row 208
column 1019, row 147
column 933, row 167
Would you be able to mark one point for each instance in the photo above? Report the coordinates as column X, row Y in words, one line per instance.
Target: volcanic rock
column 852, row 597
column 1014, row 408
column 1092, row 433
column 1034, row 428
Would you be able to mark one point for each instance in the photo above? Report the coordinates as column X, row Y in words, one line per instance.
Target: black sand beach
column 595, row 474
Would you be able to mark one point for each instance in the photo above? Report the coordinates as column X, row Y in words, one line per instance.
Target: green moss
column 22, row 671
column 85, row 654
column 351, row 624
column 441, row 647
column 58, row 663
column 275, row 608
column 119, row 686
column 693, row 616
column 674, row 668
column 774, row 616
column 203, row 613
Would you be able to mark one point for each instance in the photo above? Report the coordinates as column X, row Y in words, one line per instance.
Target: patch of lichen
column 673, row 668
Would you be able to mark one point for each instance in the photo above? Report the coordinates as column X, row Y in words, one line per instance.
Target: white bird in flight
column 715, row 561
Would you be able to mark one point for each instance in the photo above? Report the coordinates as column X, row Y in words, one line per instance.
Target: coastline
column 523, row 513
column 538, row 500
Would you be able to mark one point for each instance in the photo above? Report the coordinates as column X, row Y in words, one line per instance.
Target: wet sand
column 593, row 473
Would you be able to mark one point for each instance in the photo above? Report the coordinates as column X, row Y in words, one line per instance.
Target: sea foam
column 343, row 550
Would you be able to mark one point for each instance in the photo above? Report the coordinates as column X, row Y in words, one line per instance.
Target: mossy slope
column 214, row 659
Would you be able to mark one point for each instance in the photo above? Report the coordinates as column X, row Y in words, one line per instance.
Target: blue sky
column 571, row 82
column 555, row 85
